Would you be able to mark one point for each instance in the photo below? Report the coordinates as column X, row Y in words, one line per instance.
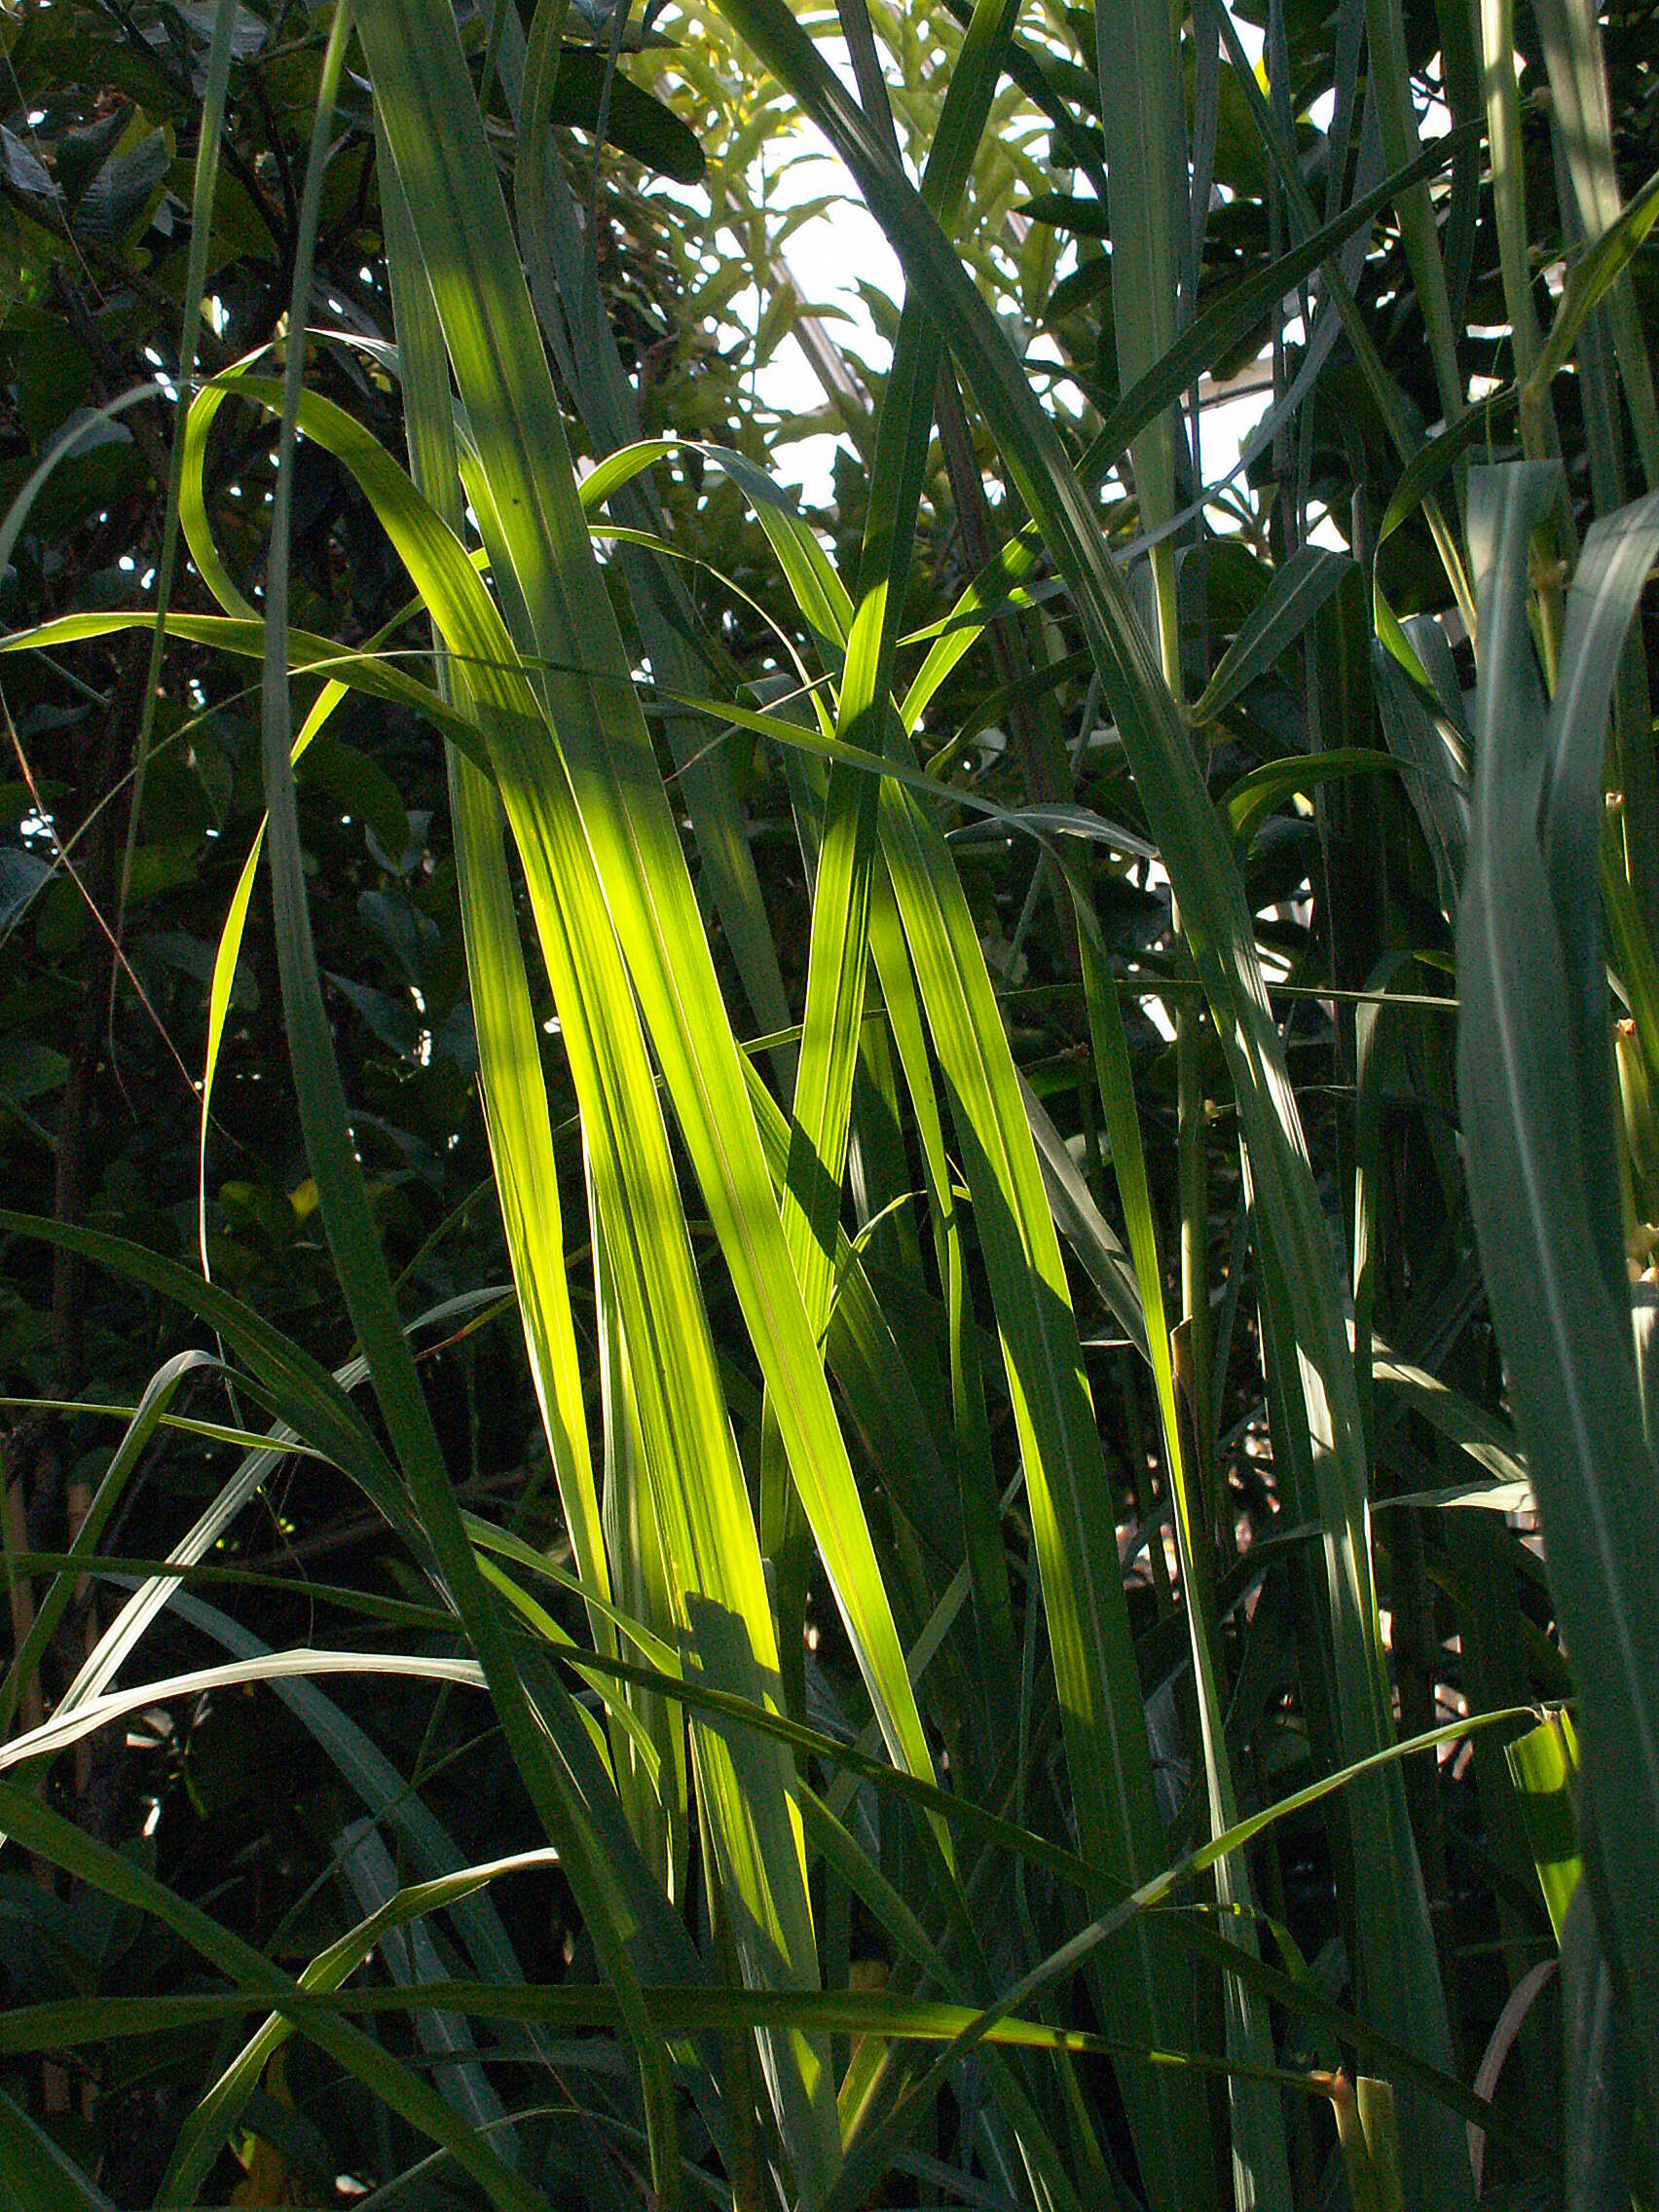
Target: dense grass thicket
column 828, row 1332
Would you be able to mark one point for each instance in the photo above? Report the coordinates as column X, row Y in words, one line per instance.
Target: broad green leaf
column 1254, row 797
column 1299, row 589
column 1617, row 559
column 1542, row 1198
column 1143, row 108
column 1543, row 1765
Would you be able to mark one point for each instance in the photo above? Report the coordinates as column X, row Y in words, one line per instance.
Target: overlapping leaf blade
column 1533, row 1042
column 1398, row 1954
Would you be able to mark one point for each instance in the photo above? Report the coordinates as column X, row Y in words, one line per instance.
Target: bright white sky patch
column 832, row 253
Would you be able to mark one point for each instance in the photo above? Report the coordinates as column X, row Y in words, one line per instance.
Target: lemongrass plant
column 839, row 1366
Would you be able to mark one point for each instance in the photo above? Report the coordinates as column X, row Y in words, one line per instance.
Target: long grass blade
column 1402, row 1974
column 707, row 1526
column 63, row 1844
column 572, row 1806
column 1544, row 1208
column 509, row 1061
column 39, row 2175
column 1261, row 2170
column 526, row 499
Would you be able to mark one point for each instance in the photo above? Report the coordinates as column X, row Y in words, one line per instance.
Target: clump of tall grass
column 1043, row 1814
